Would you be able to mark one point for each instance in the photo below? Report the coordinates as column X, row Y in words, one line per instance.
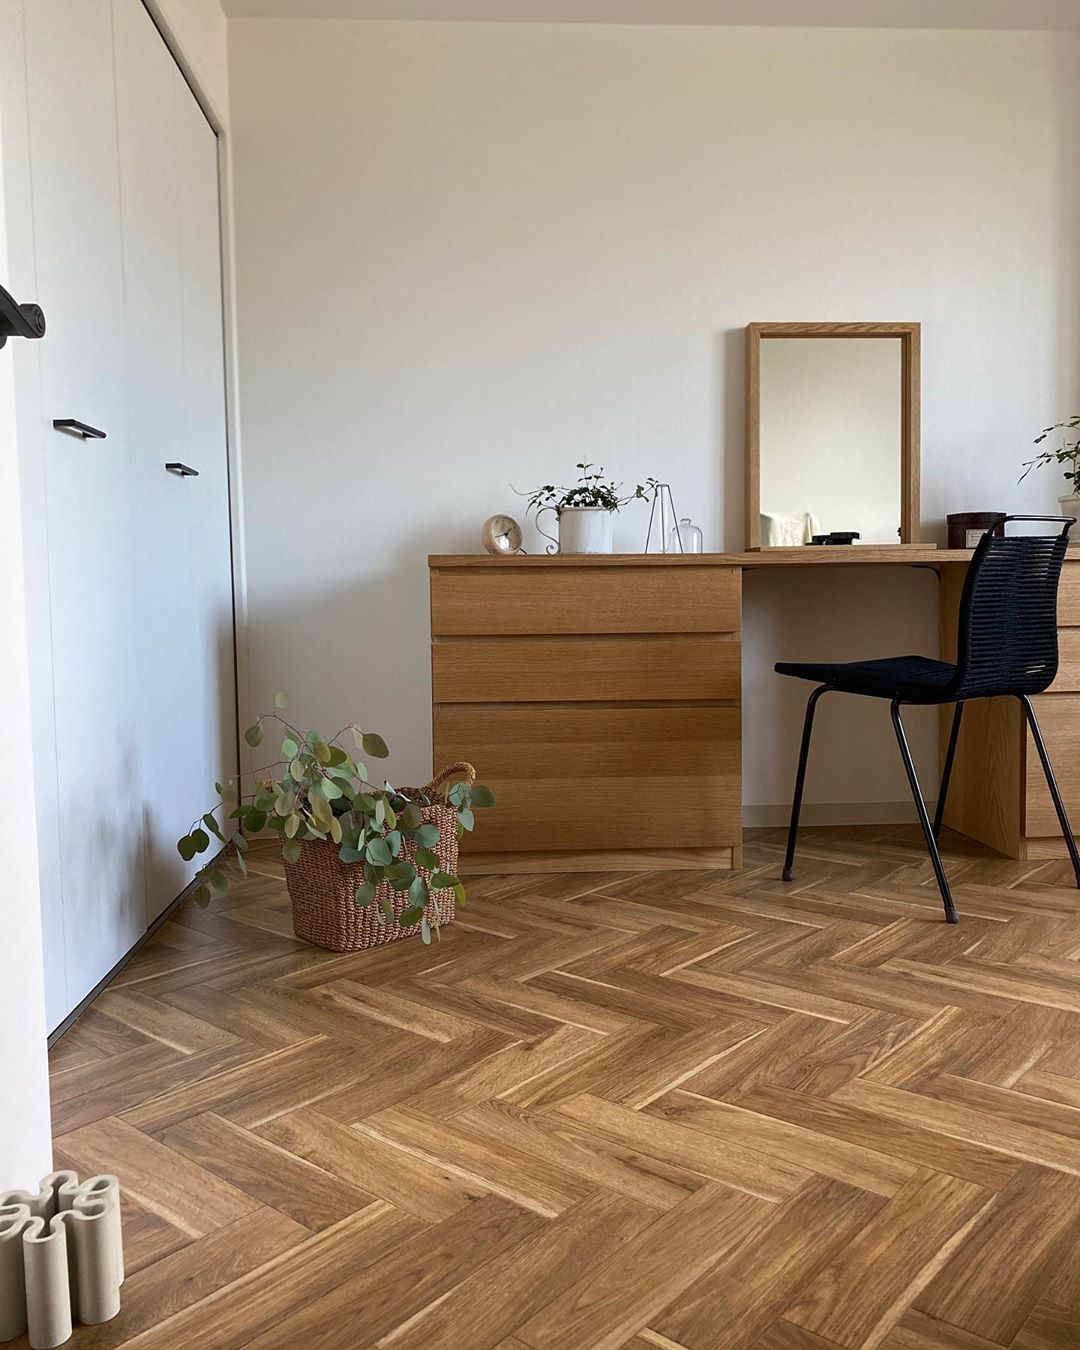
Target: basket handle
column 462, row 768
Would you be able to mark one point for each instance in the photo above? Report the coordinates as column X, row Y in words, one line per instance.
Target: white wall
column 472, row 254
column 25, row 1137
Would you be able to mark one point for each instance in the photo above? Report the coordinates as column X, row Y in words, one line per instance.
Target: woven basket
column 323, row 888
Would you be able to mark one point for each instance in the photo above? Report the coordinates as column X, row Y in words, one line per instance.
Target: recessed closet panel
column 212, row 649
column 88, row 488
column 151, row 194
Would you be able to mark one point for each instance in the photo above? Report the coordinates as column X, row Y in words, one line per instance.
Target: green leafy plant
column 1067, row 454
column 317, row 790
column 591, row 489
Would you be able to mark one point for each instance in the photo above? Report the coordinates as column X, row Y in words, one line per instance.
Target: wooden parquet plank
column 1034, row 1219
column 731, row 1305
column 305, row 1193
column 661, row 1111
column 605, row 1305
column 414, row 1185
column 861, row 1293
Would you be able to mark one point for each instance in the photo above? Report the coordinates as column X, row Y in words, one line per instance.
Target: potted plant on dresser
column 584, row 511
column 364, row 864
column 1068, row 456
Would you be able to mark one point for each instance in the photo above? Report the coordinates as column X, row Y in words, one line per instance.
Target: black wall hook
column 26, row 321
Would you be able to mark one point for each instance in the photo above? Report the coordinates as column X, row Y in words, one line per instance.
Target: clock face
column 501, row 534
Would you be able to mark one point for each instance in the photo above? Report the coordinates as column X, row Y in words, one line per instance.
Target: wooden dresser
column 599, row 697
column 998, row 794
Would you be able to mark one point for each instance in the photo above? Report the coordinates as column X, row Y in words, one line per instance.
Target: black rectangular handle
column 87, row 432
column 181, row 470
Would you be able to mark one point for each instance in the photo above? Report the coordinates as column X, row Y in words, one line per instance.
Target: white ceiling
column 1023, row 14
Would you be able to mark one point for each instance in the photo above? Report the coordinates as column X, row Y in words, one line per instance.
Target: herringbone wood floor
column 665, row 1110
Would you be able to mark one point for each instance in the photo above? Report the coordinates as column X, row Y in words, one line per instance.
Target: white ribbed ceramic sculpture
column 61, row 1258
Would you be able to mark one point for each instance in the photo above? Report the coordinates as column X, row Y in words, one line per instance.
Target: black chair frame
column 932, row 829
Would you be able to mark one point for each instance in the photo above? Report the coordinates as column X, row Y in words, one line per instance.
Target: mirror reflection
column 830, row 439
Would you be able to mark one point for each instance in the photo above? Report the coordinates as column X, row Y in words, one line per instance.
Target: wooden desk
column 567, row 680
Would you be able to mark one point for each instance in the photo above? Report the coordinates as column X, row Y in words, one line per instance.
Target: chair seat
column 916, row 679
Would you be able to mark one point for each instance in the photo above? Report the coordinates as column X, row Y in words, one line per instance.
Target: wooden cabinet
column 999, row 795
column 600, row 699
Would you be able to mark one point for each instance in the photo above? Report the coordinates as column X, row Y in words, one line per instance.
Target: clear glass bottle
column 685, row 537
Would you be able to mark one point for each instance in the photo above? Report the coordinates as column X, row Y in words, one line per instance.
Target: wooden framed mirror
column 832, row 432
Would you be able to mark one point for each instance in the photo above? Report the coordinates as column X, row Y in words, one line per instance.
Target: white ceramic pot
column 1070, row 506
column 582, row 529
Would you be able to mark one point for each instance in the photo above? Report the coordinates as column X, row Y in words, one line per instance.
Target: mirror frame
column 910, row 409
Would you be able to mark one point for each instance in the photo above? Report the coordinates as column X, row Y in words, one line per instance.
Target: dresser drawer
column 574, row 778
column 605, row 598
column 1069, row 593
column 1059, row 718
column 586, row 669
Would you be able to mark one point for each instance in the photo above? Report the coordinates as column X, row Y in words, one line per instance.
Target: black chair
column 1006, row 644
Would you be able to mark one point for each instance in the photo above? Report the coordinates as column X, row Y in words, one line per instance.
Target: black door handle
column 25, row 321
column 76, row 428
column 182, row 470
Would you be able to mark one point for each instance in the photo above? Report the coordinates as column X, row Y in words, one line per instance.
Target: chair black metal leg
column 946, row 773
column 1051, row 783
column 924, row 819
column 800, row 780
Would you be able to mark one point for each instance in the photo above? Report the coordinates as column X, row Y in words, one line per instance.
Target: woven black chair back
column 1007, row 641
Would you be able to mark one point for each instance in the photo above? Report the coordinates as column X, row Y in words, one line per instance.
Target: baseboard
column 834, row 813
column 599, row 860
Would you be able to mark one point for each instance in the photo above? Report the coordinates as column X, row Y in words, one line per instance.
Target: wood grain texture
column 585, row 599
column 576, row 669
column 666, row 1111
column 530, row 753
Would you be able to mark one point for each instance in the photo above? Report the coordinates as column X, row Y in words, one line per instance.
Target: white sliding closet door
column 213, row 650
column 167, row 699
column 175, row 380
column 88, row 486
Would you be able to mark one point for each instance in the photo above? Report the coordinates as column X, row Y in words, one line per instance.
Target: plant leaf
column 412, row 817
column 321, row 750
column 281, row 700
column 427, row 836
column 425, row 931
column 373, row 744
column 254, row 735
column 482, row 795
column 411, row 914
column 201, row 840
column 212, row 825
column 186, row 847
column 426, row 858
column 219, row 881
column 467, row 819
column 201, row 896
column 365, row 895
column 378, row 852
column 291, row 850
column 442, row 881
column 289, row 748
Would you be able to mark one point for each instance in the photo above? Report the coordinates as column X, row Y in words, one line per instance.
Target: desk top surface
column 866, row 555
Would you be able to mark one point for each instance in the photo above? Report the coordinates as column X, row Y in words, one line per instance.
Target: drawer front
column 1059, row 718
column 568, row 777
column 586, row 669
column 1068, row 676
column 1069, row 593
column 474, row 601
